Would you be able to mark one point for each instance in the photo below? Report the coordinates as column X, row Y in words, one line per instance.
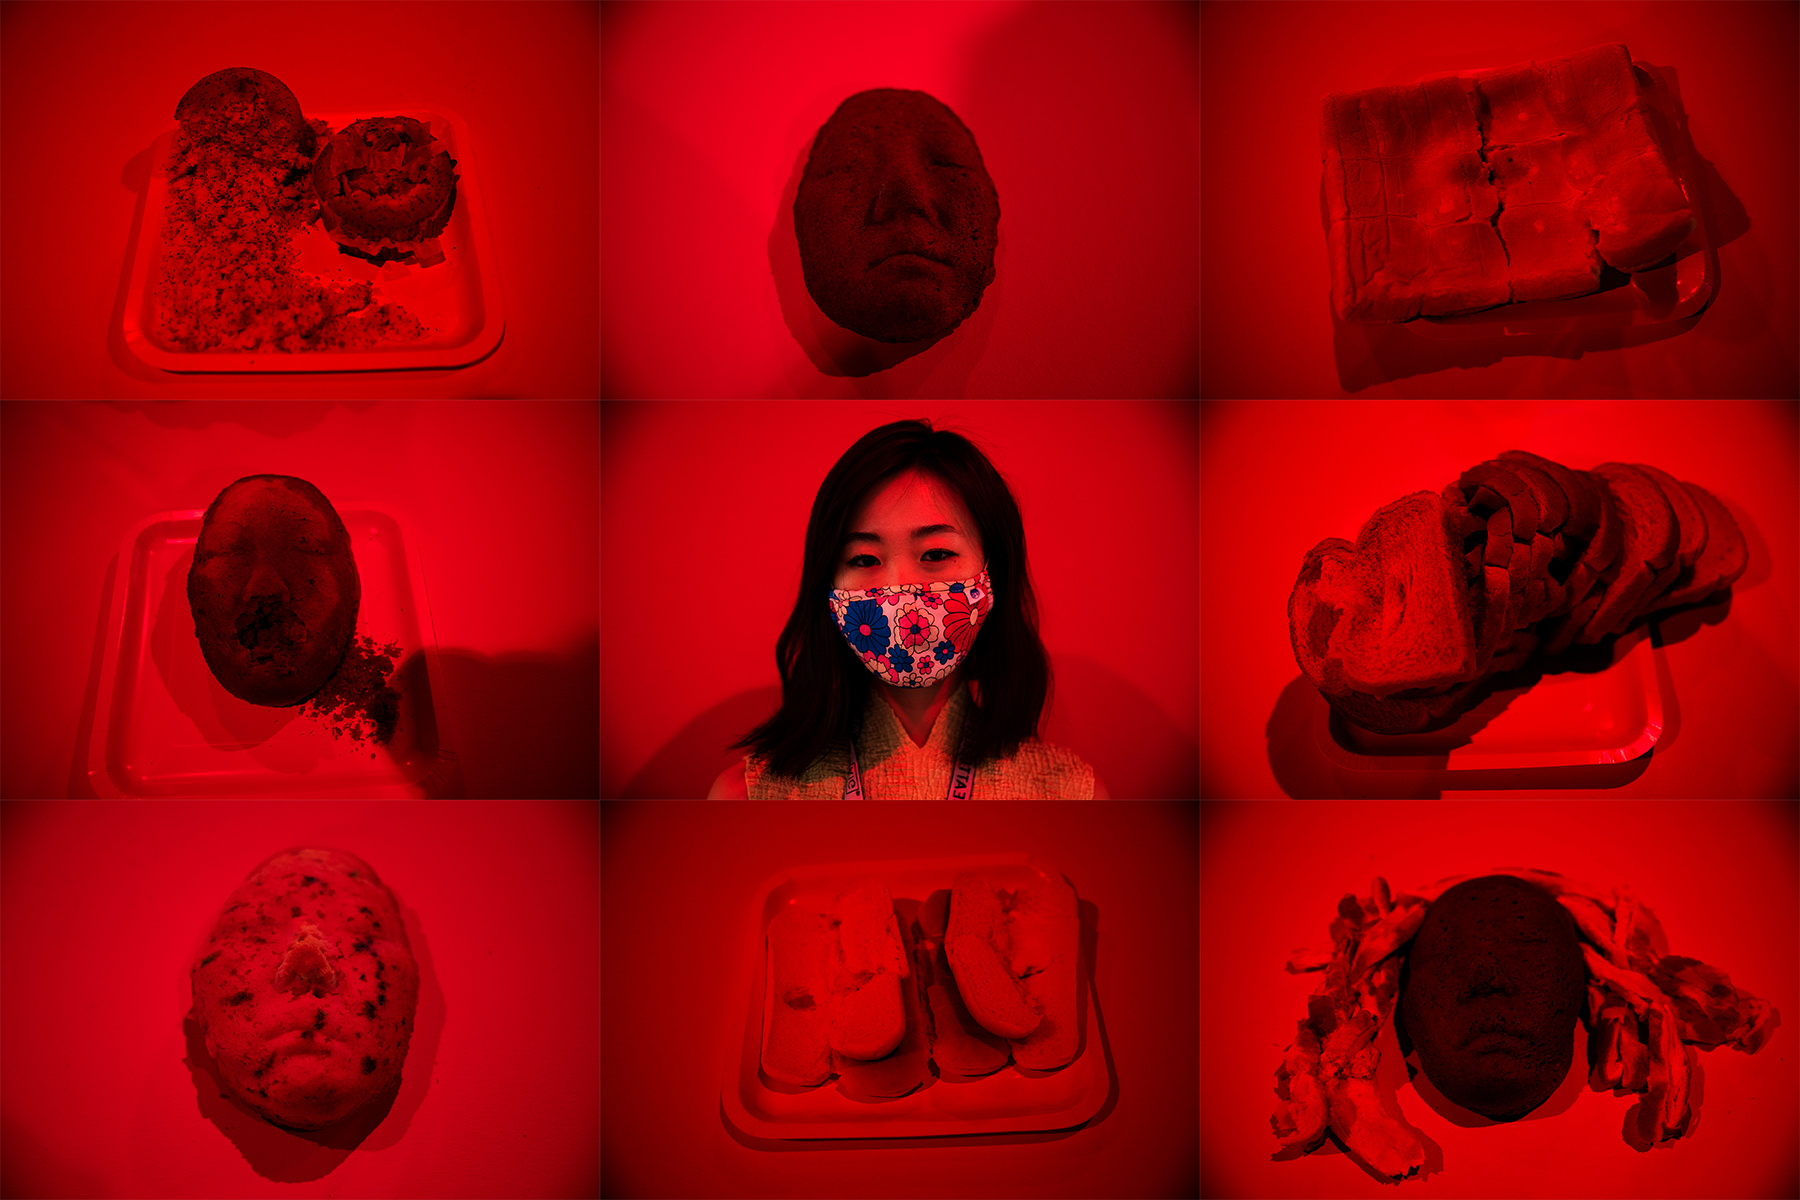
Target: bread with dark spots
column 307, row 993
column 249, row 110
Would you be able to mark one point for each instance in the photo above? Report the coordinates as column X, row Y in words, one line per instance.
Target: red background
column 679, row 883
column 1721, row 877
column 1267, row 325
column 1278, row 478
column 88, row 87
column 705, row 515
column 1086, row 115
column 503, row 498
column 109, row 904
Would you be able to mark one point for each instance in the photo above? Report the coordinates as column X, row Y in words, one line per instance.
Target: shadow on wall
column 272, row 420
column 1129, row 740
column 688, row 762
column 526, row 726
column 1123, row 734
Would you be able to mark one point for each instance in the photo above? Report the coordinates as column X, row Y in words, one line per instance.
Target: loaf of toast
column 1466, row 191
column 1517, row 557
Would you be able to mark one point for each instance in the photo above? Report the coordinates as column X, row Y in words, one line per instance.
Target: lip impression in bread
column 1462, row 192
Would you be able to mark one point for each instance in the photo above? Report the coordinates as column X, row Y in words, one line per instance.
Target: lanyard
column 962, row 775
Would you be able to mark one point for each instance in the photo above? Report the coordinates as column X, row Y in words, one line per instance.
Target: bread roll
column 1013, row 941
column 308, row 990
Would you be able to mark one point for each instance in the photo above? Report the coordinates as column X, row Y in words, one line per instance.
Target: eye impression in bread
column 307, row 993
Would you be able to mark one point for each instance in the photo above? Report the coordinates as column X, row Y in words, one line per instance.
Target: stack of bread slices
column 1519, row 556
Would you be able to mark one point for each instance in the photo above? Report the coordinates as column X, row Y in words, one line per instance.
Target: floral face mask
column 914, row 634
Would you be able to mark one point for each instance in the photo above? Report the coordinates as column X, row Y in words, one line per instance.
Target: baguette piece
column 1040, row 944
column 959, row 1044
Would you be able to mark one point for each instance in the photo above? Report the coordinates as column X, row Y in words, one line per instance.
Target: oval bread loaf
column 307, row 992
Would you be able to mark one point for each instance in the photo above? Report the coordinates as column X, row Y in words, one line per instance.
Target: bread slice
column 1650, row 543
column 1722, row 560
column 1693, row 526
column 1583, row 506
column 1410, row 626
column 1323, row 592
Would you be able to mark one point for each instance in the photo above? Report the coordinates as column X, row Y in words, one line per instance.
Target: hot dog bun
column 959, row 1043
column 835, row 986
column 1013, row 944
column 801, row 946
column 907, row 1066
column 870, row 1018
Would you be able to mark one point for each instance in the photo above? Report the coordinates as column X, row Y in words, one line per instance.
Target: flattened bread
column 308, row 990
column 1466, row 191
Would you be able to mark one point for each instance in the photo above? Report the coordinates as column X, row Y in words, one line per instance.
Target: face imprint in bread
column 308, row 990
column 1494, row 984
column 896, row 217
column 273, row 589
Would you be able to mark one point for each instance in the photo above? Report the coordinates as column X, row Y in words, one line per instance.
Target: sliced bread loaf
column 1722, row 560
column 1650, row 541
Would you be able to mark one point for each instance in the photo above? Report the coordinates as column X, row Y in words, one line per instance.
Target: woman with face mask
column 911, row 666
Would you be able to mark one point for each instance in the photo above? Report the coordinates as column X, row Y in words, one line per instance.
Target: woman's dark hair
column 823, row 683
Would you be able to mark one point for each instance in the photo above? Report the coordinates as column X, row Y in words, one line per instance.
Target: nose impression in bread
column 307, row 964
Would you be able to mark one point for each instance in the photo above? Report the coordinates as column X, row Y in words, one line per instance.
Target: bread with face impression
column 896, row 217
column 1493, row 985
column 273, row 589
column 307, row 991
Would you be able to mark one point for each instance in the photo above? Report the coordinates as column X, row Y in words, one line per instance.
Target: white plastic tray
column 1005, row 1102
column 164, row 726
column 1566, row 719
column 458, row 301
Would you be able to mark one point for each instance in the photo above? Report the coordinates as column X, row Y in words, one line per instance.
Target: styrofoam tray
column 1566, row 719
column 458, row 301
column 164, row 726
column 1005, row 1102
